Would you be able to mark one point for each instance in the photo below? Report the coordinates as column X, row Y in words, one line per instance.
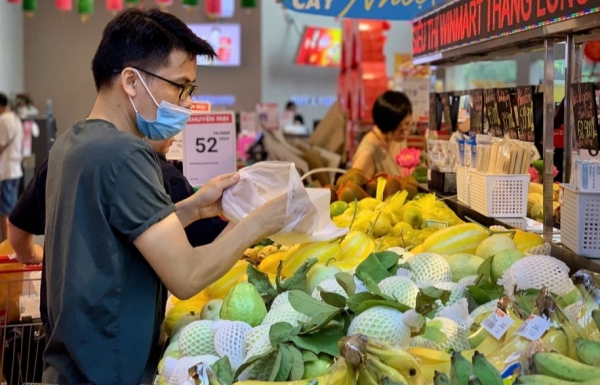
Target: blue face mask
column 170, row 119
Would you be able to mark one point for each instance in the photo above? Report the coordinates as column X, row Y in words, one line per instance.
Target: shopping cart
column 21, row 331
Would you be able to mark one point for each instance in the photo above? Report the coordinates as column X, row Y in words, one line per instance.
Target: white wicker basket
column 580, row 222
column 499, row 196
column 462, row 185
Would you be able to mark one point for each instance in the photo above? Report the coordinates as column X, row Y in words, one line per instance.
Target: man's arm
column 186, row 271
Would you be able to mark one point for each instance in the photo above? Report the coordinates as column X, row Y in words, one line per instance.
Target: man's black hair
column 143, row 39
column 390, row 109
column 289, row 105
column 3, row 100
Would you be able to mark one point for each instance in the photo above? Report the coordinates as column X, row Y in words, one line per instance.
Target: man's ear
column 129, row 81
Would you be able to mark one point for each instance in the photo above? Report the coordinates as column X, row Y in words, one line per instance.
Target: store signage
column 201, row 107
column 176, row 150
column 313, row 101
column 248, row 123
column 477, row 111
column 525, row 113
column 209, row 147
column 491, row 108
column 216, row 100
column 583, row 98
column 505, row 112
column 464, row 22
column 361, row 9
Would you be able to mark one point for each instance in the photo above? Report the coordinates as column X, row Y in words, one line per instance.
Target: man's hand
column 208, row 198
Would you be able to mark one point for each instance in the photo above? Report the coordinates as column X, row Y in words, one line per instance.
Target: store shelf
column 573, row 260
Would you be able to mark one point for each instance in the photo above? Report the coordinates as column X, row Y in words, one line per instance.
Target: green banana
column 441, row 379
column 476, row 338
column 402, row 361
column 474, row 380
column 366, row 377
column 540, row 379
column 588, row 351
column 460, row 369
column 565, row 368
column 485, row 371
column 388, row 381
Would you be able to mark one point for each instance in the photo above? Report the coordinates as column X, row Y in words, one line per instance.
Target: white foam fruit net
column 281, row 299
column 360, row 286
column 402, row 272
column 457, row 338
column 535, row 272
column 429, row 269
column 457, row 312
column 402, row 289
column 197, row 339
column 230, row 341
column 457, row 291
column 255, row 334
column 383, row 324
column 331, row 286
column 544, row 249
column 468, row 280
column 285, row 313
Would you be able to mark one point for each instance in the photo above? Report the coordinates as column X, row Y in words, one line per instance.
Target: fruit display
column 354, row 185
column 471, row 305
column 535, row 202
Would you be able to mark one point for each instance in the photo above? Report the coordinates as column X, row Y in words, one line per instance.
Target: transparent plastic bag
column 307, row 213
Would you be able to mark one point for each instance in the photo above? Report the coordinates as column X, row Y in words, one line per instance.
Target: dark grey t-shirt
column 104, row 189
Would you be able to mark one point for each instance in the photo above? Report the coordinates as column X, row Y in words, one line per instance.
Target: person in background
column 292, row 107
column 392, row 115
column 113, row 235
column 11, row 156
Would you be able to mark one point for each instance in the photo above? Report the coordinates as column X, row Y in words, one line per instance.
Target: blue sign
column 361, row 9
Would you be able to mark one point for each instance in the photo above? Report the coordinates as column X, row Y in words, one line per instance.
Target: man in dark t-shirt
column 29, row 218
column 113, row 235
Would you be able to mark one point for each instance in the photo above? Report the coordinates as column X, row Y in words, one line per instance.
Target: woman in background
column 392, row 115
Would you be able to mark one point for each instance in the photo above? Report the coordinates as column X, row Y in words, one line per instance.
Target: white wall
column 281, row 78
column 11, row 48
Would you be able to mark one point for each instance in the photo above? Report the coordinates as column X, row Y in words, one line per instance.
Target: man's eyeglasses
column 187, row 90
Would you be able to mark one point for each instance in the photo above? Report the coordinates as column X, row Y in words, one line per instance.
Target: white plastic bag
column 307, row 209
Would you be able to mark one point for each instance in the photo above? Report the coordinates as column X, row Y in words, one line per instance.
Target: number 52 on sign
column 209, row 147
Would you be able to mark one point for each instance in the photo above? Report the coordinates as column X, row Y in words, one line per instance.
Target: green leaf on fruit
column 223, row 371
column 276, row 366
column 308, row 305
column 308, row 356
column 360, row 302
column 369, row 282
column 320, row 321
column 333, row 299
column 281, row 332
column 429, row 300
column 479, row 295
column 485, row 271
column 298, row 280
column 323, row 341
column 433, row 332
column 346, row 281
column 297, row 364
column 261, row 281
column 379, row 265
column 285, row 366
column 262, row 358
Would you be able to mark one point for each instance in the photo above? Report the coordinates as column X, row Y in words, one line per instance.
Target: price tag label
column 533, row 328
column 209, row 147
column 498, row 323
column 438, row 224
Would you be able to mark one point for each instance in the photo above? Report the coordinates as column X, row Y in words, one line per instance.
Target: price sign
column 585, row 115
column 477, row 111
column 248, row 123
column 209, row 147
column 525, row 113
column 505, row 112
column 176, row 150
column 446, row 108
column 498, row 323
column 200, row 107
column 533, row 328
column 491, row 107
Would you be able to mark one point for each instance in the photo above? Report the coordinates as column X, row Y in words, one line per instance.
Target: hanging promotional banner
column 209, row 147
column 361, row 9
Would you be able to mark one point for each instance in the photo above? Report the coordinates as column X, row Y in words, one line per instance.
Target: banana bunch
column 464, row 372
column 371, row 363
column 554, row 368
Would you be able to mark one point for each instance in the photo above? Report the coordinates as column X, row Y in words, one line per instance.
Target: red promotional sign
column 460, row 23
column 201, row 107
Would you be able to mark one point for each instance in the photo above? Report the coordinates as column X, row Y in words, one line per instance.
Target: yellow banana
column 297, row 255
column 400, row 360
column 428, row 356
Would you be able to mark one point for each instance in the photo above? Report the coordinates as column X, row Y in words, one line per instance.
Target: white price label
column 498, row 323
column 533, row 328
column 209, row 147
